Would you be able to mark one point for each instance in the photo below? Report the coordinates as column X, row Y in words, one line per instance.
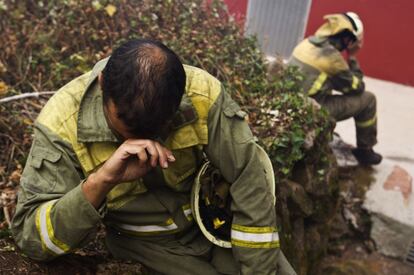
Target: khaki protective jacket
column 72, row 140
column 326, row 69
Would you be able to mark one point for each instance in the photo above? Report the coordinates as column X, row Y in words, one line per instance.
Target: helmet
column 341, row 21
column 210, row 200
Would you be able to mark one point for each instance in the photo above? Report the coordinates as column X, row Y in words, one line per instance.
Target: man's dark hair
column 146, row 81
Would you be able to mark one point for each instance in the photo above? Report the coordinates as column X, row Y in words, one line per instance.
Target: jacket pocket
column 44, row 162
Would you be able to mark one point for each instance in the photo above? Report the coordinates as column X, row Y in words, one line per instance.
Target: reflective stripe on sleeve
column 254, row 237
column 366, row 123
column 149, row 229
column 46, row 232
column 355, row 82
column 317, row 84
column 188, row 213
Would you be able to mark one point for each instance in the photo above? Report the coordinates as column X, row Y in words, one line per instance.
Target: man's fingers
column 171, row 157
column 137, row 150
column 142, row 156
column 149, row 146
column 158, row 152
column 152, row 150
column 162, row 155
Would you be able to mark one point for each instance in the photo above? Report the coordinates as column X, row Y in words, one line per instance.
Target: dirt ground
column 356, row 259
column 93, row 259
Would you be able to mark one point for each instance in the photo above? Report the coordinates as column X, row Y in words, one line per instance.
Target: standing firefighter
column 320, row 59
column 122, row 144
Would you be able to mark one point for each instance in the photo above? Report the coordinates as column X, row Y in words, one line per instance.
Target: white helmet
column 341, row 21
column 357, row 24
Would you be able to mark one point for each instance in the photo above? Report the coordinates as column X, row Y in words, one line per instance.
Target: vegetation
column 47, row 43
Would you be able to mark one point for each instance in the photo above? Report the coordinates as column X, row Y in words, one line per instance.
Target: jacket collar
column 318, row 40
column 92, row 125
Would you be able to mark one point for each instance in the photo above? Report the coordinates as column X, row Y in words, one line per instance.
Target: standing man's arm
column 231, row 148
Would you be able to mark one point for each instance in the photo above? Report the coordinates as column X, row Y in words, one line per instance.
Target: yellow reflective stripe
column 355, row 82
column 51, row 232
column 46, row 232
column 37, row 221
column 168, row 226
column 254, row 237
column 252, row 229
column 318, row 83
column 188, row 213
column 255, row 244
column 366, row 123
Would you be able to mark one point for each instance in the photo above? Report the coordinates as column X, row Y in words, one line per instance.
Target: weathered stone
column 300, row 199
column 342, row 152
column 309, row 139
column 391, row 203
column 348, row 267
column 391, row 237
column 306, row 205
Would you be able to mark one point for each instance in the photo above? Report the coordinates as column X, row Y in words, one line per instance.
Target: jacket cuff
column 84, row 209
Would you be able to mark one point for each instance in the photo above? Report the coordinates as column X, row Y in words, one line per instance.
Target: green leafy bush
column 47, row 43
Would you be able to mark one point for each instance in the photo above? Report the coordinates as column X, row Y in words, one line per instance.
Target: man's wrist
column 95, row 189
column 99, row 179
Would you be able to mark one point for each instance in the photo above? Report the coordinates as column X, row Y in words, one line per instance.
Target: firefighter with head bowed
column 320, row 59
column 123, row 145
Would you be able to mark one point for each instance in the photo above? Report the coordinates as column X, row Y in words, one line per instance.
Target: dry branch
column 25, row 95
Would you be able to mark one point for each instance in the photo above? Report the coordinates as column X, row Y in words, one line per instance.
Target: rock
column 309, row 139
column 342, row 152
column 306, row 206
column 391, row 203
column 349, row 267
column 391, row 237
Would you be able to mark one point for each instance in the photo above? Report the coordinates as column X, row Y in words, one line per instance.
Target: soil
column 356, row 259
column 93, row 259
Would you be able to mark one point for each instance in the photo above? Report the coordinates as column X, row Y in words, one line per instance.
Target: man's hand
column 354, row 48
column 131, row 161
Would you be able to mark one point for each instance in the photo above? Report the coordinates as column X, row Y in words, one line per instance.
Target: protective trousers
column 169, row 255
column 362, row 107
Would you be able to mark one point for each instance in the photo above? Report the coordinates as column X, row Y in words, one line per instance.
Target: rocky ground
column 351, row 250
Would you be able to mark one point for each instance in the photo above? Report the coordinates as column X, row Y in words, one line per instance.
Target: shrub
column 47, row 43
